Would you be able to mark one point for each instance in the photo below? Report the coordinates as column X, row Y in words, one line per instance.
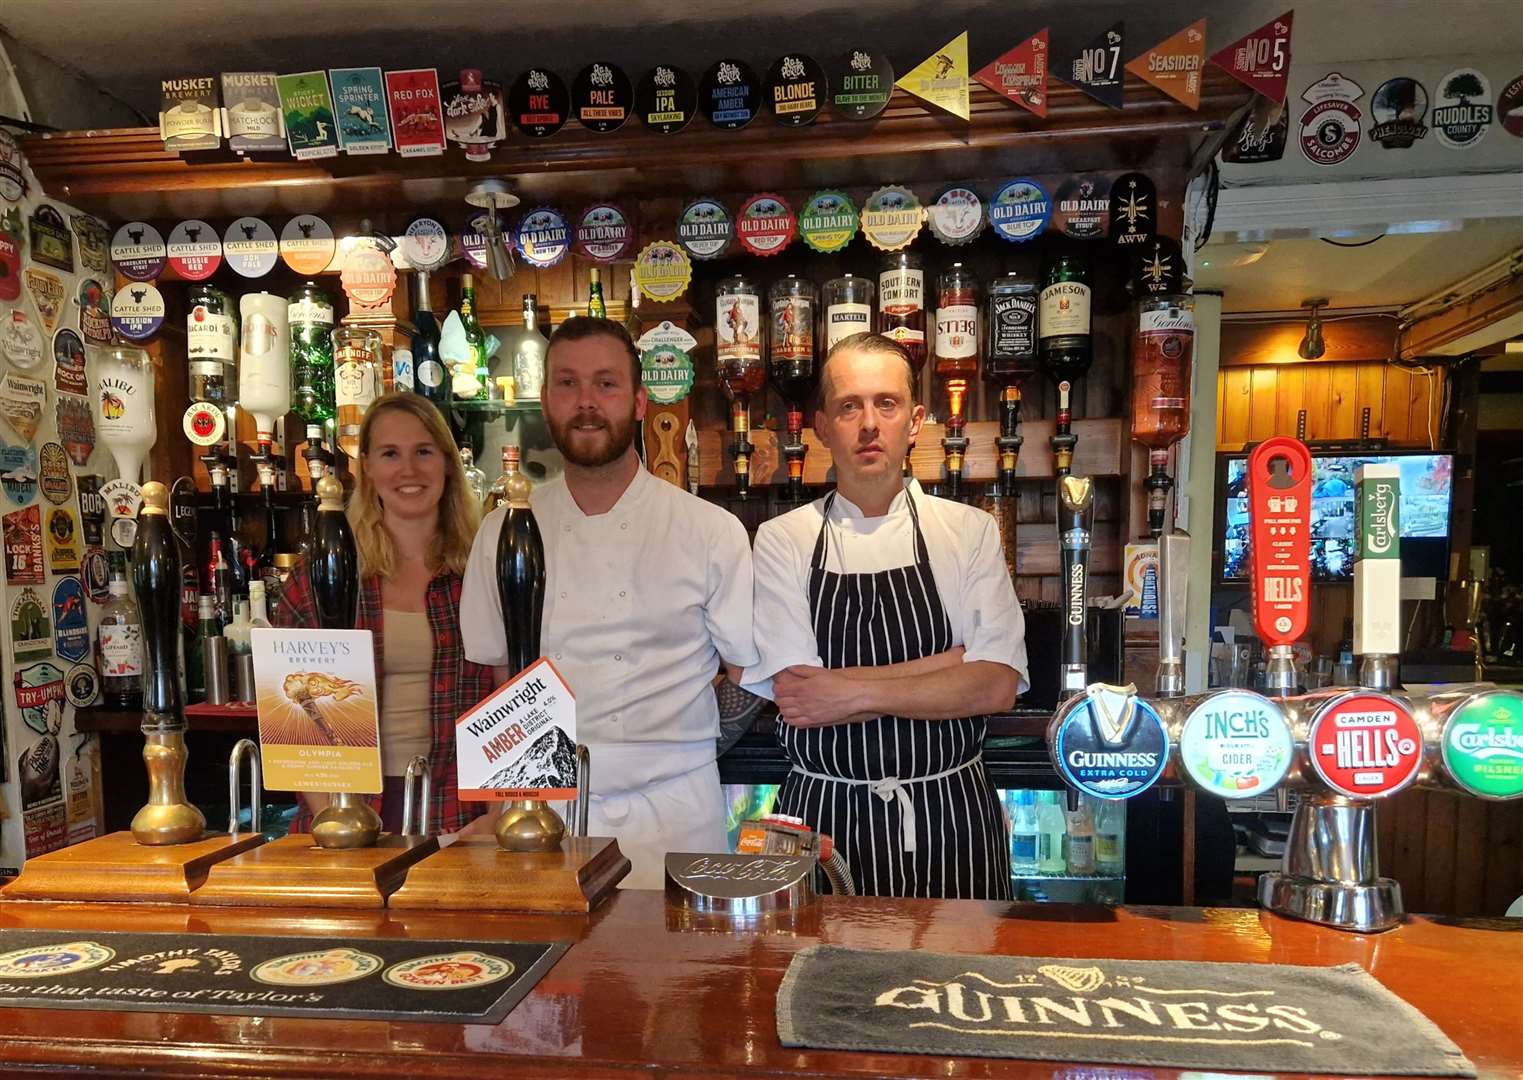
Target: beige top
column 407, row 665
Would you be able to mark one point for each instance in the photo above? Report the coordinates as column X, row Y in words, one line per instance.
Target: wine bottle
column 119, row 639
column 596, row 308
column 475, row 383
column 520, row 570
column 429, row 376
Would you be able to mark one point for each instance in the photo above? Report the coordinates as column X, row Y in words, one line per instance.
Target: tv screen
column 1426, row 481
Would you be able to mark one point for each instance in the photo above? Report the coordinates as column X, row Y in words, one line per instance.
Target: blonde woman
column 413, row 518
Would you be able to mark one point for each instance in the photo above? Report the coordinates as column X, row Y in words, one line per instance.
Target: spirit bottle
column 737, row 335
column 1162, row 351
column 848, row 308
column 1081, row 839
column 309, row 313
column 956, row 359
column 1050, row 831
column 264, row 364
column 632, row 320
column 475, row 479
column 791, row 363
column 1064, row 330
column 596, row 308
column 498, row 495
column 473, row 380
column 429, row 376
column 901, row 304
column 1010, row 343
column 120, row 640
column 529, row 356
column 357, row 380
column 1023, row 834
column 125, row 421
column 211, row 343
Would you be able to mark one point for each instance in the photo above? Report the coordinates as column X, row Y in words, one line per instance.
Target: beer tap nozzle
column 1076, row 514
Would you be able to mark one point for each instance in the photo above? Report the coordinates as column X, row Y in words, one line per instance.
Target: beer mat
column 1257, row 1018
column 462, row 982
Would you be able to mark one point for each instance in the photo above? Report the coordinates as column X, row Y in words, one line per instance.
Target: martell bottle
column 737, row 336
column 356, row 382
column 1162, row 352
column 529, row 356
column 120, row 640
column 956, row 359
column 901, row 304
column 791, row 364
column 211, row 343
column 429, row 377
column 848, row 308
column 309, row 313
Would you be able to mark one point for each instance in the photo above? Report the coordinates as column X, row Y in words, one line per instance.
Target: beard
column 586, row 448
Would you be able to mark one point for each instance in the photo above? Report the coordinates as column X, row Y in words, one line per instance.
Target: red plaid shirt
column 455, row 686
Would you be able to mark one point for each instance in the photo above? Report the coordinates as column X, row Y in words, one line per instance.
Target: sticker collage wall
column 55, row 283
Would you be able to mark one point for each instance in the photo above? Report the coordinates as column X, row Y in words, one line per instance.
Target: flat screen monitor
column 1426, row 488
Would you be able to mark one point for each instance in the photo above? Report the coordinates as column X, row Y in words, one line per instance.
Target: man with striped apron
column 887, row 625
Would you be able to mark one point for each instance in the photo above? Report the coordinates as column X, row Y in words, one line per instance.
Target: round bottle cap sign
column 250, row 247
column 705, row 228
column 1365, row 745
column 956, row 216
column 195, row 250
column 796, row 89
column 729, row 94
column 307, row 244
column 137, row 311
column 425, row 244
column 863, row 81
column 138, row 251
column 666, row 99
column 205, row 424
column 892, row 217
column 766, row 224
column 1134, row 210
column 605, row 233
column 1020, row 210
column 1114, row 768
column 1083, row 207
column 538, row 103
column 542, row 237
column 1236, row 745
column 828, row 221
column 662, row 271
column 1483, row 745
column 601, row 96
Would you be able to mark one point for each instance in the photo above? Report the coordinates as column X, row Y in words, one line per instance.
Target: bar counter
column 637, row 995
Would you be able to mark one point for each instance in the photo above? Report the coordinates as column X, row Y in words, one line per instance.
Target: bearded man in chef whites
column 648, row 590
column 888, row 626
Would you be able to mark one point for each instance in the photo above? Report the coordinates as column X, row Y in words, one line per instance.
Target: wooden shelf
column 242, row 719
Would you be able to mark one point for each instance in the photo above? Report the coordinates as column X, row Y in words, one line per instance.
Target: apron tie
column 891, row 788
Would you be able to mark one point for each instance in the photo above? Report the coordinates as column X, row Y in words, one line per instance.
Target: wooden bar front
column 637, row 995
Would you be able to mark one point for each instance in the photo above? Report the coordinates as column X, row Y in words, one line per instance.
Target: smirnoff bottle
column 901, row 304
column 357, row 380
column 848, row 308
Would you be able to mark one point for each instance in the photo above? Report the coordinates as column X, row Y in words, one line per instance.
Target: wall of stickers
column 54, row 293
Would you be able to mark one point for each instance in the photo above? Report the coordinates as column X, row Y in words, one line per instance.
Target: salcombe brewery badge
column 1236, row 744
column 796, row 89
column 1111, row 745
column 765, row 224
column 52, row 242
column 138, row 251
column 892, row 217
column 40, row 961
column 662, row 271
column 666, row 362
column 1398, row 108
column 417, row 117
column 729, row 94
column 359, row 103
column 69, row 363
column 319, row 967
column 1082, row 207
column 94, row 243
column 250, row 246
column 23, row 547
column 20, row 341
column 425, row 243
column 474, row 119
column 47, row 292
column 62, row 541
column 251, row 111
column 542, row 237
column 12, row 169
column 605, row 233
column 538, row 103
column 95, row 311
column 21, row 403
column 194, row 250
column 956, row 216
column 81, row 685
column 1020, row 210
column 307, row 244
column 666, row 99
column 1462, row 112
column 828, row 221
column 306, row 103
column 71, row 630
column 1483, row 745
column 18, row 474
column 862, row 81
column 10, row 253
column 1133, row 210
column 1365, row 745
column 602, row 96
column 56, row 481
column 76, row 428
column 188, row 115
column 137, row 311
column 32, row 639
column 449, row 971
column 1510, row 107
column 1330, row 125
column 705, row 228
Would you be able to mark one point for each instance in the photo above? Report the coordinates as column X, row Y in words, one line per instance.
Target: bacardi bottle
column 211, row 343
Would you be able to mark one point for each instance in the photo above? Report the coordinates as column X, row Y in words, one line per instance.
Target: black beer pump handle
column 156, row 580
column 335, row 564
column 1076, row 511
column 520, row 576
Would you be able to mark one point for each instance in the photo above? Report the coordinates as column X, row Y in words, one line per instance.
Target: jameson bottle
column 520, row 569
column 901, row 304
column 529, row 355
column 309, row 311
column 1064, row 319
column 596, row 308
column 211, row 343
column 848, row 308
column 428, row 370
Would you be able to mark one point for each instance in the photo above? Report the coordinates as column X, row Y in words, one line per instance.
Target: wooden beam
column 1363, row 337
column 1427, row 336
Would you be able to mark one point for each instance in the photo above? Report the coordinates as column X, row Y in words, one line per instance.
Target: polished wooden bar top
column 639, row 994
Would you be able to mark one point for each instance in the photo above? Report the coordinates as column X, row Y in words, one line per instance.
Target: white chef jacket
column 967, row 561
column 640, row 605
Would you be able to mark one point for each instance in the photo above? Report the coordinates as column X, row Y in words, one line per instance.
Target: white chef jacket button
column 557, row 656
column 618, row 656
column 563, row 596
column 566, row 527
column 623, row 524
column 621, row 593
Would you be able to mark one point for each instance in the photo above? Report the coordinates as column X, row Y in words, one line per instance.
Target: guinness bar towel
column 1241, row 1017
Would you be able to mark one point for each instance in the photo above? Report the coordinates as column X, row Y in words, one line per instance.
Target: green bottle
column 310, row 314
column 476, row 382
column 596, row 308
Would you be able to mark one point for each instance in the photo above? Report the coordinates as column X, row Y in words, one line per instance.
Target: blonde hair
column 459, row 516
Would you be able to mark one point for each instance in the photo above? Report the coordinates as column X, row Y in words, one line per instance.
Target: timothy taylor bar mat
column 464, row 982
column 1256, row 1018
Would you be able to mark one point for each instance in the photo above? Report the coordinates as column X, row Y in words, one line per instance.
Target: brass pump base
column 348, row 822
column 529, row 825
column 169, row 818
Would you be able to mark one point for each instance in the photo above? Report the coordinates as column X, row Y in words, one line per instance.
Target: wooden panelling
column 1452, row 855
column 1258, row 401
column 1347, row 339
